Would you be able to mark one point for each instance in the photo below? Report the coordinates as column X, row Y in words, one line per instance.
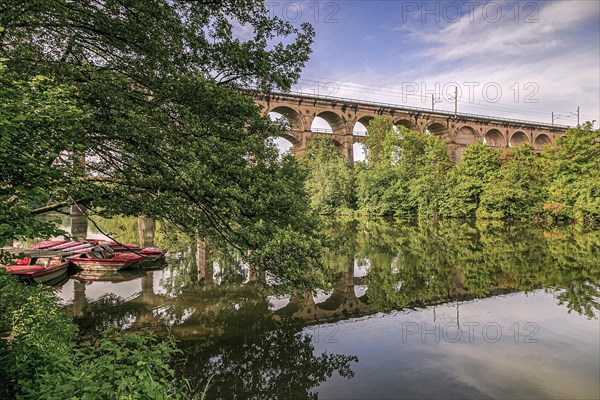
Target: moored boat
column 108, row 276
column 39, row 269
column 48, row 243
column 104, row 258
column 151, row 253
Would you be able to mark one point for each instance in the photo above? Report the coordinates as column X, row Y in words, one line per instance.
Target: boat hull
column 37, row 273
column 52, row 275
column 101, row 265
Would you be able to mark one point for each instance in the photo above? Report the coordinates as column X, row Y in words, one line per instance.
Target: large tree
column 574, row 175
column 162, row 118
column 329, row 181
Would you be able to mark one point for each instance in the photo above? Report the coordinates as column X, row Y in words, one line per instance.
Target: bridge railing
column 419, row 109
column 324, row 130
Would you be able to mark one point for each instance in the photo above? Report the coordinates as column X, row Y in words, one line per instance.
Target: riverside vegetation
column 408, row 174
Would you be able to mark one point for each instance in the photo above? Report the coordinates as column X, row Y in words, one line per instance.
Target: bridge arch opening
column 360, row 127
column 408, row 124
column 466, row 135
column 541, row 140
column 283, row 144
column 291, row 116
column 328, row 122
column 437, row 129
column 517, row 139
column 359, row 152
column 494, row 138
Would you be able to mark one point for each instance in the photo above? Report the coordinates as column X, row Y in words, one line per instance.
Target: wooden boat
column 108, row 276
column 40, row 269
column 104, row 258
column 148, row 252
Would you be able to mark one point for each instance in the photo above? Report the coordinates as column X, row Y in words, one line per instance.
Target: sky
column 522, row 60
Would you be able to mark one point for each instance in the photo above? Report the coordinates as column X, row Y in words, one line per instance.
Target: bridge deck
column 362, row 103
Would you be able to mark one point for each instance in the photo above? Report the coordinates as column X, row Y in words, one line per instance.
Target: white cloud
column 555, row 54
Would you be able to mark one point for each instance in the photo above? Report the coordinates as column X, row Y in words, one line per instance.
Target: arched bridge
column 459, row 130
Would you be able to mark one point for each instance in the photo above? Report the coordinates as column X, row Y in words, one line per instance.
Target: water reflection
column 256, row 344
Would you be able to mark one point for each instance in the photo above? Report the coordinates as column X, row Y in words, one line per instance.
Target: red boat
column 48, row 243
column 40, row 269
column 104, row 258
column 151, row 253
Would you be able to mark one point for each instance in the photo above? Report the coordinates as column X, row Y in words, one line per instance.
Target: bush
column 39, row 359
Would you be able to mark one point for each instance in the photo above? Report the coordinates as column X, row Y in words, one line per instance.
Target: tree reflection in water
column 228, row 329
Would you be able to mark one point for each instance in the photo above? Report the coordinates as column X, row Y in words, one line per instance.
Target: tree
column 382, row 141
column 519, row 189
column 424, row 163
column 376, row 177
column 479, row 164
column 167, row 132
column 404, row 173
column 329, row 182
column 574, row 175
column 38, row 120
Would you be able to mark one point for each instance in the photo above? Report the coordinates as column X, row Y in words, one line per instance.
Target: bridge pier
column 146, row 231
column 348, row 150
column 201, row 259
column 79, row 222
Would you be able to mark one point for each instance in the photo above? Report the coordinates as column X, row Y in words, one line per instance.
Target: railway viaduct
column 459, row 130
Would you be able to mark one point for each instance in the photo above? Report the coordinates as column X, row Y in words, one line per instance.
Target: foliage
column 404, row 173
column 381, row 144
column 117, row 365
column 153, row 96
column 409, row 174
column 38, row 121
column 290, row 254
column 519, row 189
column 467, row 179
column 329, row 181
column 39, row 359
column 574, row 175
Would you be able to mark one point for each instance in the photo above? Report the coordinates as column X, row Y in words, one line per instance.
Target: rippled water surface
column 416, row 310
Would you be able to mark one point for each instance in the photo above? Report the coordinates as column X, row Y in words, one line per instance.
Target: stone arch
column 407, row 123
column 518, row 138
column 364, row 121
column 541, row 140
column 466, row 135
column 284, row 139
column 494, row 138
column 293, row 116
column 335, row 121
column 438, row 129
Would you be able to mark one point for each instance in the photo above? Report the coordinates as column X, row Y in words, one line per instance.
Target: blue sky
column 511, row 59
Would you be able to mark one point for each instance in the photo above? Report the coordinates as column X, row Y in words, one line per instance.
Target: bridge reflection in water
column 385, row 266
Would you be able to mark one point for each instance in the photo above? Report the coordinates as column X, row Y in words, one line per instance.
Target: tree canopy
column 152, row 94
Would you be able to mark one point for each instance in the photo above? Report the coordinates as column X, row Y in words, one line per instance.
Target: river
column 420, row 309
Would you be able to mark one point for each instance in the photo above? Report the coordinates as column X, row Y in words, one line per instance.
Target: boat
column 104, row 257
column 39, row 268
column 151, row 253
column 48, row 243
column 108, row 276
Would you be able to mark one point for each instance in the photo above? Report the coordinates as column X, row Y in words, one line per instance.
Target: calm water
column 423, row 310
